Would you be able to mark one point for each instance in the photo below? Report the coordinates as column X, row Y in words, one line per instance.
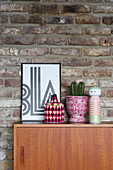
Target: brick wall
column 76, row 33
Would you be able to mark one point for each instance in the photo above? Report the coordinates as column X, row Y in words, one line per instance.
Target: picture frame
column 38, row 82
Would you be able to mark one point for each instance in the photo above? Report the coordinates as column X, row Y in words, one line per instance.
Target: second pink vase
column 76, row 107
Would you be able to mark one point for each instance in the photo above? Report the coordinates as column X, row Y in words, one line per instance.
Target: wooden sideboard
column 63, row 147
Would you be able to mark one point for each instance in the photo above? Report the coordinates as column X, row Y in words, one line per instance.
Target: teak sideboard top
column 74, row 125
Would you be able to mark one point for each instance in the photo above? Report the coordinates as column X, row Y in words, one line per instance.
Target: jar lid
column 54, row 98
column 94, row 91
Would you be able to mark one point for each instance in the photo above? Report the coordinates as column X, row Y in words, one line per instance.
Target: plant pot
column 76, row 107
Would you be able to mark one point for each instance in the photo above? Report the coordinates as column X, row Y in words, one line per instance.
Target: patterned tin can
column 95, row 105
column 54, row 111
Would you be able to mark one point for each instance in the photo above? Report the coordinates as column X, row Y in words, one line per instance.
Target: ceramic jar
column 94, row 105
column 54, row 111
column 76, row 107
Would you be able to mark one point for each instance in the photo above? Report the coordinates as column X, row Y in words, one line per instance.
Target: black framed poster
column 39, row 82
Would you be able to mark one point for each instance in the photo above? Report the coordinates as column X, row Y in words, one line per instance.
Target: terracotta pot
column 76, row 107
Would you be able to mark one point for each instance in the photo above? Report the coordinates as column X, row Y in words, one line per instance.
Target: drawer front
column 63, row 148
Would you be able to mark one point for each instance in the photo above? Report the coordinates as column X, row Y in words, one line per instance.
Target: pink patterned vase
column 76, row 107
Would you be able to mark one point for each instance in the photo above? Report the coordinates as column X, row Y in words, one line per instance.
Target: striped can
column 95, row 105
column 94, row 109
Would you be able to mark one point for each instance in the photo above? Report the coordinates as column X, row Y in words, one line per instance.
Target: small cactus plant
column 74, row 89
column 77, row 90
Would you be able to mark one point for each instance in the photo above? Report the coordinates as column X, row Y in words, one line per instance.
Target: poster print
column 39, row 82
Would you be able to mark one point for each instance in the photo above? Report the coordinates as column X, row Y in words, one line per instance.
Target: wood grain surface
column 66, row 125
column 70, row 148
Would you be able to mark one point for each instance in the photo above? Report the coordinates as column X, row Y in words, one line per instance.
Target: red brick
column 8, row 135
column 56, row 0
column 5, row 72
column 3, row 18
column 25, row 40
column 13, row 61
column 16, row 113
column 103, row 9
column 106, row 82
column 96, row 52
column 10, row 143
column 65, row 92
column 108, row 0
column 3, row 144
column 92, row 1
column 40, row 30
column 110, row 113
column 66, row 51
column 46, row 60
column 12, row 83
column 41, row 9
column 8, row 51
column 83, row 41
column 108, row 20
column 71, row 72
column 103, row 114
column 1, row 82
column 78, row 8
column 1, row 30
column 5, row 113
column 19, row 18
column 34, row 51
column 106, row 42
column 12, row 30
column 98, row 31
column 53, row 40
column 102, row 62
column 10, row 103
column 6, row 123
column 17, row 94
column 66, row 81
column 5, row 93
column 92, row 72
column 58, row 20
column 77, row 61
column 87, row 19
column 26, row 0
column 1, row 41
column 107, row 103
column 109, row 93
column 35, row 19
column 12, row 8
column 73, row 30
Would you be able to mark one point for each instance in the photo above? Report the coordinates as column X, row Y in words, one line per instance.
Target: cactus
column 74, row 89
column 81, row 87
column 77, row 90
